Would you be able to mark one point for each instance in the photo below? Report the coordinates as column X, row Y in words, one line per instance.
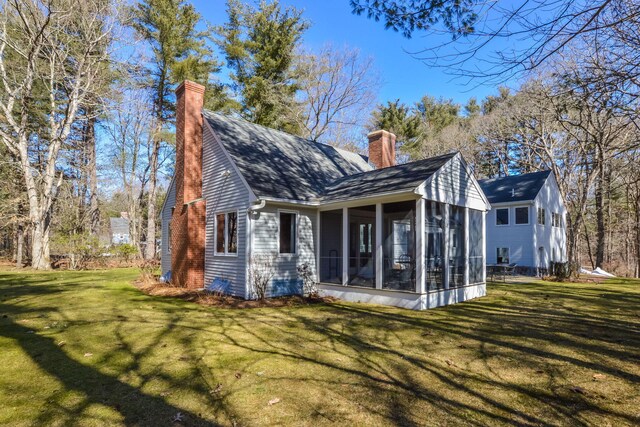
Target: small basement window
column 502, row 216
column 522, row 215
column 502, row 256
column 287, row 230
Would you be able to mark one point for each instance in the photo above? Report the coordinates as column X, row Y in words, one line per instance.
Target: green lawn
column 88, row 348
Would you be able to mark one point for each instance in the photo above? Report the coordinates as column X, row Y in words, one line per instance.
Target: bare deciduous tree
column 51, row 56
column 337, row 88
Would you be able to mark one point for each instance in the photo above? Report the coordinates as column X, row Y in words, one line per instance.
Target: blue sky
column 404, row 76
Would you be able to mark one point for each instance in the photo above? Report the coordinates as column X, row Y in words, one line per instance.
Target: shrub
column 126, row 251
column 261, row 271
column 80, row 249
column 309, row 288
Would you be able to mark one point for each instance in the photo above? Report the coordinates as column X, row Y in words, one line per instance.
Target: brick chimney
column 189, row 215
column 382, row 149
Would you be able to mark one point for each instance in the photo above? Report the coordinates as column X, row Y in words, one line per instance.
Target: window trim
column 508, row 217
column 225, row 245
column 515, row 216
column 508, row 248
column 296, row 215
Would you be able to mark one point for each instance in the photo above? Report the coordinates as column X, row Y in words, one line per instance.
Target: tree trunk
column 638, row 233
column 92, row 184
column 150, row 249
column 600, row 220
column 40, row 243
column 19, row 244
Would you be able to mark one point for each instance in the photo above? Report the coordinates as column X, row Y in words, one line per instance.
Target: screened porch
column 416, row 246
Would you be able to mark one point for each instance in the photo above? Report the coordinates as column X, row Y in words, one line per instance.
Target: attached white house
column 409, row 235
column 527, row 223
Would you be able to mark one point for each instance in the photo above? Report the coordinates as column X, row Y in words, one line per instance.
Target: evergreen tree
column 398, row 119
column 180, row 52
column 259, row 45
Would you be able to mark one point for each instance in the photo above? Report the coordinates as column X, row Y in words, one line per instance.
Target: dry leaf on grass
column 88, row 354
column 274, row 401
column 598, row 376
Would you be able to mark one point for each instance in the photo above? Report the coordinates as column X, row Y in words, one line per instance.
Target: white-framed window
column 502, row 255
column 541, row 216
column 556, row 220
column 287, row 232
column 502, row 216
column 522, row 215
column 226, row 235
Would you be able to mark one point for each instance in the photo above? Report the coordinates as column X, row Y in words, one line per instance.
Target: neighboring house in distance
column 527, row 222
column 119, row 228
column 246, row 199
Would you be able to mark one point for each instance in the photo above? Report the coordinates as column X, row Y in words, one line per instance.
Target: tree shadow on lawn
column 402, row 367
column 134, row 406
column 404, row 374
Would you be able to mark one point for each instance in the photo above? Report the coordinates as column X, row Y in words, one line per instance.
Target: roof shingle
column 514, row 188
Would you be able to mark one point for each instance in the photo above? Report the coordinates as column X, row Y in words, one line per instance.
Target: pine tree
column 180, row 52
column 259, row 45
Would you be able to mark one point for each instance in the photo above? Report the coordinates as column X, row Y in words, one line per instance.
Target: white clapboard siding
column 169, row 203
column 266, row 238
column 223, row 192
column 454, row 185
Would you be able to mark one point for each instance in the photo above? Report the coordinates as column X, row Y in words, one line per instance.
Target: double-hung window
column 288, row 227
column 502, row 216
column 541, row 216
column 226, row 233
column 502, row 255
column 522, row 215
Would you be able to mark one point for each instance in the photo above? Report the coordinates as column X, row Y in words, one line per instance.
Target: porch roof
column 398, row 178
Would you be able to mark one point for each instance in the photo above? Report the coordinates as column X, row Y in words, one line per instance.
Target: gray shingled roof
column 404, row 177
column 514, row 188
column 119, row 225
column 279, row 165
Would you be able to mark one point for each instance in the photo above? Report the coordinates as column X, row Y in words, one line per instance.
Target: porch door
column 362, row 251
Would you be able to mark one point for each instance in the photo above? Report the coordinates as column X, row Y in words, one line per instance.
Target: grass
column 88, row 348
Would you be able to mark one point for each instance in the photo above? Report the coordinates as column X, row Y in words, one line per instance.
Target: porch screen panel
column 434, row 251
column 399, row 246
column 362, row 262
column 475, row 246
column 331, row 246
column 456, row 246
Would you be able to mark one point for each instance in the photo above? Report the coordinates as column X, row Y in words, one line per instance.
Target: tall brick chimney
column 188, row 220
column 382, row 149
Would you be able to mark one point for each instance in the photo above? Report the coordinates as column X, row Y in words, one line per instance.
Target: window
column 502, row 256
column 541, row 216
column 232, row 232
column 502, row 216
column 287, row 232
column 556, row 220
column 522, row 215
column 227, row 233
column 220, row 225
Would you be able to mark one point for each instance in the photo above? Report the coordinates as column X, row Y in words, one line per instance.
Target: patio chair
column 510, row 269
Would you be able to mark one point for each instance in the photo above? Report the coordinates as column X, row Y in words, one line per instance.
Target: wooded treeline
column 87, row 112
